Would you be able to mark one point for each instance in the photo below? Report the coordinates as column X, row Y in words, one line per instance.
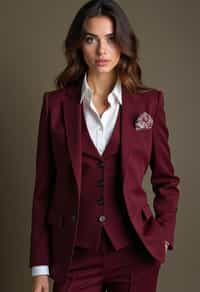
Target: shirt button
column 102, row 218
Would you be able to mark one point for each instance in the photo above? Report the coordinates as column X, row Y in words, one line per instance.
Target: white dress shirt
column 100, row 128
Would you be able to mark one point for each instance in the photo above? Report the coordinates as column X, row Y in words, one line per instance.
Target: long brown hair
column 129, row 71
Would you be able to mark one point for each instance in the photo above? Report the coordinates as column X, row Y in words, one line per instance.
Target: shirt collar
column 86, row 91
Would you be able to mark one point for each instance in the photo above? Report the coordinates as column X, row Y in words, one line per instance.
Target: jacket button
column 102, row 218
column 100, row 201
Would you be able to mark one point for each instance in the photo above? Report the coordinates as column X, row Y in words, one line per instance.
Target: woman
column 92, row 226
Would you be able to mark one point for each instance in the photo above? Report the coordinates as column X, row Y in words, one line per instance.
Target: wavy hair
column 128, row 69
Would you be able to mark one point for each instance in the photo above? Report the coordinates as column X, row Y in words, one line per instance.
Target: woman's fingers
column 40, row 283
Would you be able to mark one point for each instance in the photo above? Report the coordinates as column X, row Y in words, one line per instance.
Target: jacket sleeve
column 163, row 180
column 44, row 180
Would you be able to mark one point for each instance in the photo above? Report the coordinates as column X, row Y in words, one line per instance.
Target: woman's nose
column 101, row 47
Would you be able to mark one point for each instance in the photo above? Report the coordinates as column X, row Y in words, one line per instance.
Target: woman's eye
column 112, row 38
column 89, row 39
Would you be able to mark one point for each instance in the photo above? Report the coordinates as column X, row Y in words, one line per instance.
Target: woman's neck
column 101, row 83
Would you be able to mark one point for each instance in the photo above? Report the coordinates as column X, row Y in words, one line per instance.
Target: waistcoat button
column 100, row 201
column 100, row 164
column 102, row 218
column 73, row 218
column 100, row 183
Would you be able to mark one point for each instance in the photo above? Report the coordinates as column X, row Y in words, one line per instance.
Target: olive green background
column 32, row 34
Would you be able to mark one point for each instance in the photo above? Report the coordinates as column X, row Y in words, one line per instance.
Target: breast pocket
column 142, row 132
column 140, row 145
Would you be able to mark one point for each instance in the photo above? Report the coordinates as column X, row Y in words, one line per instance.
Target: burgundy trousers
column 130, row 269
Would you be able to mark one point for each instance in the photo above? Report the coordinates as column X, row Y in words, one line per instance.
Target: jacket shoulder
column 152, row 96
column 54, row 94
column 55, row 97
column 151, row 92
column 149, row 99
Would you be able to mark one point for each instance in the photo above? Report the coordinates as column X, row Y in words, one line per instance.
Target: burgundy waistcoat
column 101, row 199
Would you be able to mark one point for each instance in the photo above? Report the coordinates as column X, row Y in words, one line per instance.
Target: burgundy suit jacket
column 56, row 198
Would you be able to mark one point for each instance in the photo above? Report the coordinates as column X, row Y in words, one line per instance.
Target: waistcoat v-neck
column 101, row 201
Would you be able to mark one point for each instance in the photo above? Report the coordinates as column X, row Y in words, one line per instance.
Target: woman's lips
column 102, row 62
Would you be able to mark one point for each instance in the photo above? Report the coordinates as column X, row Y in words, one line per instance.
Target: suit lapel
column 72, row 120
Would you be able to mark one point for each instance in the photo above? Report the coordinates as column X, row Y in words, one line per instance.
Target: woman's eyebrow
column 95, row 35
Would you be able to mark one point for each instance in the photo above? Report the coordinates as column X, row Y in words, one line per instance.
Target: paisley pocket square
column 144, row 121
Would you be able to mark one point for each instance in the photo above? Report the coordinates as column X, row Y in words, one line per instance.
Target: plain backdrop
column 32, row 34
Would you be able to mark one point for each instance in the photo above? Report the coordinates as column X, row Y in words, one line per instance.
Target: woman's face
column 99, row 44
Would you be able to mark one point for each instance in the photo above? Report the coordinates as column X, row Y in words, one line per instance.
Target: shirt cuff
column 40, row 270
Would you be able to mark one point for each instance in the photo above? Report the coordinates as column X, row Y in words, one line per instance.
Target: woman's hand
column 166, row 246
column 40, row 283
